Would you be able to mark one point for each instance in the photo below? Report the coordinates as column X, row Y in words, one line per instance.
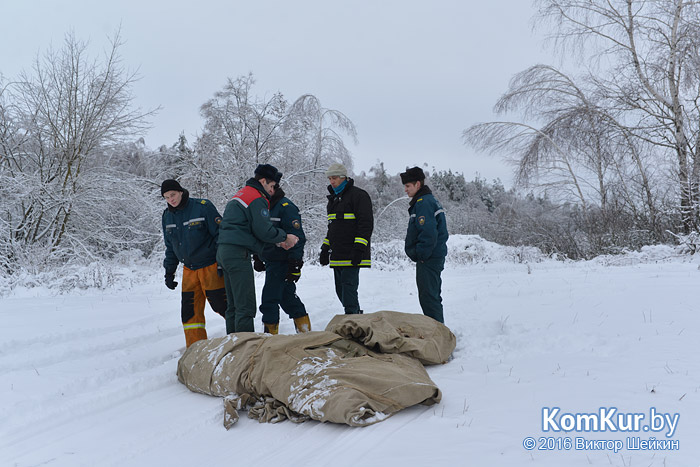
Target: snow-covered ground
column 87, row 377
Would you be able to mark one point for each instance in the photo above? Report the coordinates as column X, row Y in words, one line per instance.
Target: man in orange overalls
column 191, row 230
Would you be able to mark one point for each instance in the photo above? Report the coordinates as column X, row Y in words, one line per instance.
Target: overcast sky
column 411, row 75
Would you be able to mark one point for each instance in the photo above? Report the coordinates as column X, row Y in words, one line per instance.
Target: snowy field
column 87, row 377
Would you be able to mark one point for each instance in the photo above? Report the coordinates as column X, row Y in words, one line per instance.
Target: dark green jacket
column 246, row 220
column 426, row 237
column 190, row 232
column 285, row 215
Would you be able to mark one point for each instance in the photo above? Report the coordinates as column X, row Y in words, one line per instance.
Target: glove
column 357, row 255
column 258, row 265
column 294, row 270
column 219, row 271
column 170, row 281
column 325, row 258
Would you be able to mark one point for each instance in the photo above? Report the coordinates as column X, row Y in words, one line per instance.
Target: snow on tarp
column 322, row 375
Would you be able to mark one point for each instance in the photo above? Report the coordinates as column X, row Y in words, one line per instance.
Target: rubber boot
column 302, row 324
column 271, row 328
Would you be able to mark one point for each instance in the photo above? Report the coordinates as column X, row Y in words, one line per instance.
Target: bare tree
column 322, row 126
column 242, row 130
column 53, row 120
column 632, row 122
column 654, row 79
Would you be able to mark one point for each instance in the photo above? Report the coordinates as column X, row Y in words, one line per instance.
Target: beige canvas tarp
column 394, row 332
column 321, row 375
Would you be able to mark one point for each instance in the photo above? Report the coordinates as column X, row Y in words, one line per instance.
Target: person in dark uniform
column 346, row 247
column 245, row 229
column 426, row 241
column 282, row 267
column 190, row 231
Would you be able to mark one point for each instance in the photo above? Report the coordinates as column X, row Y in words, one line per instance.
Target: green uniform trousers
column 429, row 285
column 240, row 287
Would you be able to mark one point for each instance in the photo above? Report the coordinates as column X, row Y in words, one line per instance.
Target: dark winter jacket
column 190, row 232
column 246, row 220
column 427, row 235
column 350, row 225
column 284, row 215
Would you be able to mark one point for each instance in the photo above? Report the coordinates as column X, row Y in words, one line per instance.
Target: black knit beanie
column 414, row 174
column 169, row 185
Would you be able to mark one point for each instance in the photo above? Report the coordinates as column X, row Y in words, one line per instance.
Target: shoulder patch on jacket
column 285, row 204
column 204, row 201
column 419, row 200
column 296, row 224
column 217, row 219
column 265, row 212
column 421, row 220
column 247, row 195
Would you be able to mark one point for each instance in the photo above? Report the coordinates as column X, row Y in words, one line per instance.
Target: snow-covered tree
column 55, row 122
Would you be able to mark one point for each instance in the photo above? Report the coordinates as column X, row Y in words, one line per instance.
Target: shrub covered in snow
column 472, row 249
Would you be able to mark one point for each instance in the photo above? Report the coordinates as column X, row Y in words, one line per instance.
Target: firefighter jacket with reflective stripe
column 246, row 220
column 190, row 233
column 284, row 215
column 426, row 237
column 350, row 225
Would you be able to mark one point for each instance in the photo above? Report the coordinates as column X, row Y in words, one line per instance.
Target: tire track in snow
column 86, row 396
column 78, row 345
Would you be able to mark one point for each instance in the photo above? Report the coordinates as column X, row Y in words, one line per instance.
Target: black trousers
column 347, row 281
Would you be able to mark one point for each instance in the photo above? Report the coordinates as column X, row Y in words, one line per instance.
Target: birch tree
column 630, row 124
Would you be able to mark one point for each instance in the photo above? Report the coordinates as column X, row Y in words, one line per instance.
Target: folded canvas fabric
column 414, row 335
column 319, row 375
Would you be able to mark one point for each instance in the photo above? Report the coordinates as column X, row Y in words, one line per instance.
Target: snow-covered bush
column 123, row 271
column 472, row 249
column 688, row 244
column 389, row 255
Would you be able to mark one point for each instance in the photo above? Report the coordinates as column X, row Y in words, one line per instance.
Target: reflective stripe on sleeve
column 361, row 240
column 193, row 326
column 199, row 219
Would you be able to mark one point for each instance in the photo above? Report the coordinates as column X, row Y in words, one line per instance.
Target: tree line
column 619, row 137
column 607, row 160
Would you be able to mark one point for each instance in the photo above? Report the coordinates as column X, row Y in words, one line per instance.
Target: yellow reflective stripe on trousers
column 326, row 242
column 193, row 326
column 331, row 217
column 361, row 240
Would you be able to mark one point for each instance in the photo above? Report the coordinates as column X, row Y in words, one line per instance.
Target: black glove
column 294, row 270
column 219, row 271
column 357, row 256
column 258, row 265
column 325, row 258
column 170, row 281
